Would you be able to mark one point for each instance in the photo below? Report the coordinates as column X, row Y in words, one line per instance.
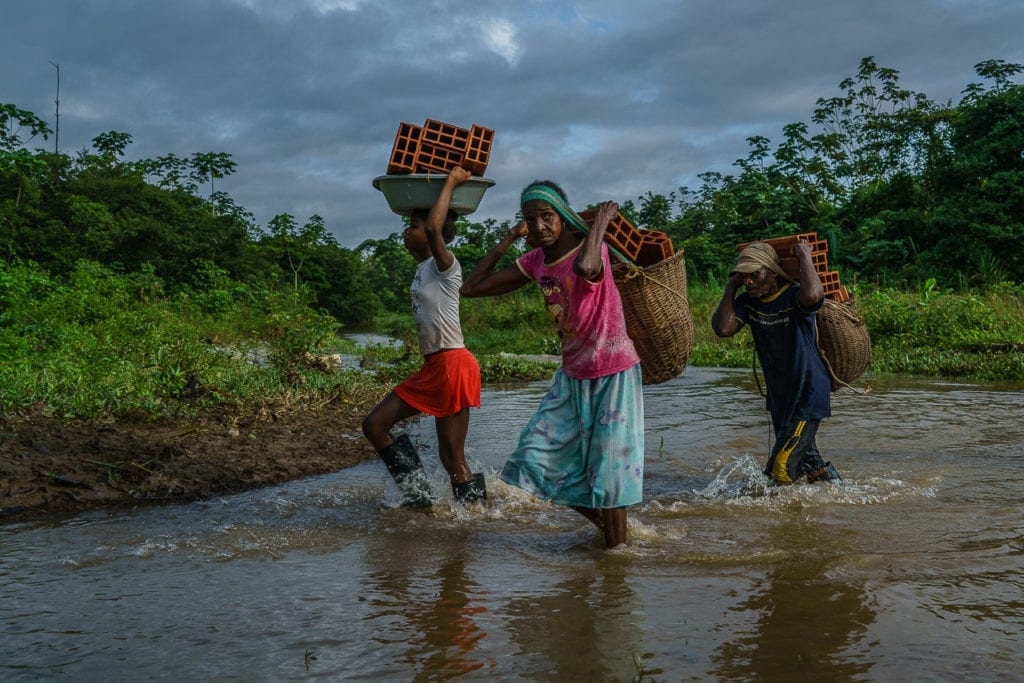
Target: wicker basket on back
column 843, row 342
column 657, row 315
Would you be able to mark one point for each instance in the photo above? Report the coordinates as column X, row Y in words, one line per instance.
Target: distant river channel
column 912, row 570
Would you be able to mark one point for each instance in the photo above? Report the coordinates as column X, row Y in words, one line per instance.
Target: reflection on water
column 914, row 569
column 799, row 616
column 428, row 612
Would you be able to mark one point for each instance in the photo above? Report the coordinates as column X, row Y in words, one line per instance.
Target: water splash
column 752, row 481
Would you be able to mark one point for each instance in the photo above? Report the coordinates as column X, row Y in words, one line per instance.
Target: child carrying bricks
column 584, row 447
column 448, row 384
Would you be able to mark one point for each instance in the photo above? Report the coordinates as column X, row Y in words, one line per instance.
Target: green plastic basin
column 420, row 190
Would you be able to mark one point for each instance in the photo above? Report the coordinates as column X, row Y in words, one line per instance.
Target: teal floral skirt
column 585, row 445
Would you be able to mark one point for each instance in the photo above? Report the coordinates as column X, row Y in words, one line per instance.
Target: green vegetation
column 136, row 287
column 942, row 333
column 977, row 335
column 102, row 345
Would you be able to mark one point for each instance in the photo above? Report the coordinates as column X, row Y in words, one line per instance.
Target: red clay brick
column 655, row 247
column 791, row 265
column 620, row 234
column 435, row 158
column 840, row 295
column 478, row 150
column 783, row 244
column 403, row 152
column 830, row 282
column 819, row 257
column 445, row 134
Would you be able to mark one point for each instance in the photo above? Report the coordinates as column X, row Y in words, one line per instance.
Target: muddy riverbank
column 49, row 467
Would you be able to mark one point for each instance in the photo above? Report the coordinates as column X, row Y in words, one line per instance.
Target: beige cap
column 756, row 256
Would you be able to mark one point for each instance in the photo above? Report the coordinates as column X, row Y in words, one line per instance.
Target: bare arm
column 589, row 264
column 811, row 291
column 484, row 281
column 723, row 320
column 438, row 214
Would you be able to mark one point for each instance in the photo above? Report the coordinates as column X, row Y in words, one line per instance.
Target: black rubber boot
column 470, row 491
column 826, row 473
column 406, row 468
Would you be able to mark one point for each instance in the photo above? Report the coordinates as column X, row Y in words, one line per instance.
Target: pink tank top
column 588, row 314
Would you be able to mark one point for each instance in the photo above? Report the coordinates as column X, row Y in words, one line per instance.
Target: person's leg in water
column 817, row 469
column 451, row 446
column 611, row 521
column 795, row 454
column 399, row 455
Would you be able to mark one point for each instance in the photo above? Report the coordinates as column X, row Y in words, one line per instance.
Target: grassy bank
column 101, row 345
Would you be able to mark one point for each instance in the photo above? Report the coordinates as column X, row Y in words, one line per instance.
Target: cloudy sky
column 611, row 98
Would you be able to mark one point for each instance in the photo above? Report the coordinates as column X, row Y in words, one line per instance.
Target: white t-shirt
column 435, row 306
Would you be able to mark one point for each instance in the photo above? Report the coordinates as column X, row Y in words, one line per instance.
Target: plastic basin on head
column 420, row 190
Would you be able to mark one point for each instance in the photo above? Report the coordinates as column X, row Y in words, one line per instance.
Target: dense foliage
column 118, row 277
column 904, row 189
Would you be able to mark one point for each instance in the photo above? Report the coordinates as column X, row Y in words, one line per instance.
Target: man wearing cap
column 781, row 313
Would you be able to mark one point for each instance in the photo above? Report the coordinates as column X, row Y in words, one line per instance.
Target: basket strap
column 636, row 271
column 753, row 366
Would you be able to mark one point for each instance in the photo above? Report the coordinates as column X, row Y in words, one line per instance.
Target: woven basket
column 657, row 316
column 843, row 342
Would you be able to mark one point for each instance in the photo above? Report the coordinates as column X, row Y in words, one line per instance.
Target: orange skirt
column 448, row 382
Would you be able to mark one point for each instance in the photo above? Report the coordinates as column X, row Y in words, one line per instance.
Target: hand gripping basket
column 657, row 315
column 843, row 342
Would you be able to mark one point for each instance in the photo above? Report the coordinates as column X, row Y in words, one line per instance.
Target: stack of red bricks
column 642, row 247
column 819, row 257
column 438, row 147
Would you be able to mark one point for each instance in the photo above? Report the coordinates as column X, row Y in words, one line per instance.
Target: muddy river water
column 912, row 570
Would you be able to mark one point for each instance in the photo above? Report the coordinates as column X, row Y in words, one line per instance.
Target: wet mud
column 49, row 467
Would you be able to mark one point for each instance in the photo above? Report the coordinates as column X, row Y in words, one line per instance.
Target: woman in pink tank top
column 584, row 447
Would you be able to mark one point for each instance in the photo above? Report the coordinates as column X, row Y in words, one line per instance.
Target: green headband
column 546, row 194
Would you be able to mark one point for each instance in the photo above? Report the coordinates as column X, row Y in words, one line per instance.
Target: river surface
column 912, row 570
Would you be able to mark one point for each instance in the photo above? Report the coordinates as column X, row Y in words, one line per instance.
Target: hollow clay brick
column 784, row 248
column 445, row 134
column 791, row 265
column 478, row 150
column 403, row 152
column 435, row 158
column 620, row 234
column 655, row 247
column 783, row 245
column 830, row 282
column 840, row 295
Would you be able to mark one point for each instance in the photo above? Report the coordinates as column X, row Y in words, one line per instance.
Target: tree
column 295, row 246
column 343, row 287
column 172, row 172
column 474, row 240
column 979, row 223
column 111, row 145
column 870, row 133
column 389, row 270
column 15, row 123
column 211, row 165
column 996, row 70
column 20, row 169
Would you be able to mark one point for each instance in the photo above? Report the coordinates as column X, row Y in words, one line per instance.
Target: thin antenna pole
column 56, row 135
